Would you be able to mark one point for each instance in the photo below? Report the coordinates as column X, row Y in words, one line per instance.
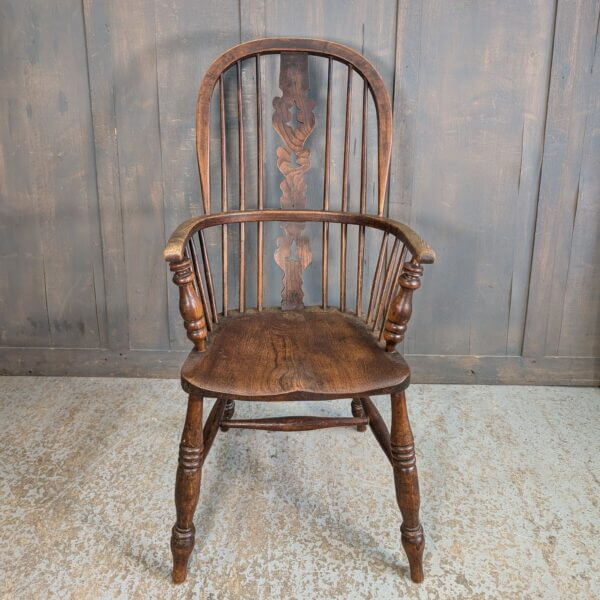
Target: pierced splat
column 294, row 120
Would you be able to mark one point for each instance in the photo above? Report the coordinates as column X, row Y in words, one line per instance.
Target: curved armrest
column 175, row 249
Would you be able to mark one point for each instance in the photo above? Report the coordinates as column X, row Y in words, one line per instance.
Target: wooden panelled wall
column 496, row 163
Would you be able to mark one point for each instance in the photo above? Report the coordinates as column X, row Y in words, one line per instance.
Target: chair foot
column 413, row 542
column 358, row 412
column 187, row 488
column 407, row 486
column 182, row 544
column 228, row 414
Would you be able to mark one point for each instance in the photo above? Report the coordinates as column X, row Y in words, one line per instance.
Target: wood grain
column 293, row 355
column 293, row 253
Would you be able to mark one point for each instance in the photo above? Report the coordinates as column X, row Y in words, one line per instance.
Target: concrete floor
column 509, row 481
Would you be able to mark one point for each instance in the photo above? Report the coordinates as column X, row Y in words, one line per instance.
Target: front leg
column 187, row 487
column 407, row 486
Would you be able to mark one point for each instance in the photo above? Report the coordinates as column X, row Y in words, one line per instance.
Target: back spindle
column 326, row 183
column 260, row 200
column 224, row 239
column 208, row 276
column 387, row 283
column 363, row 201
column 198, row 283
column 242, row 190
column 345, row 192
column 377, row 276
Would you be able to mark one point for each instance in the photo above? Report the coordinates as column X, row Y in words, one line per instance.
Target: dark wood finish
column 363, row 202
column 211, row 427
column 242, row 188
column 359, row 413
column 378, row 426
column 187, row 488
column 377, row 276
column 386, row 285
column 209, row 281
column 300, row 423
column 344, row 235
column 396, row 271
column 326, row 181
column 259, row 186
column 199, row 283
column 298, row 353
column 224, row 203
column 190, row 305
column 401, row 308
column 293, row 355
column 324, row 48
column 293, row 253
column 407, row 486
column 175, row 249
column 227, row 414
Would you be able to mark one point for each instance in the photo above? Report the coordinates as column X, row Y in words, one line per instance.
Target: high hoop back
column 294, row 70
column 295, row 121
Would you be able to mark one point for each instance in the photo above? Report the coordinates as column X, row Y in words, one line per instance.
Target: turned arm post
column 190, row 305
column 401, row 307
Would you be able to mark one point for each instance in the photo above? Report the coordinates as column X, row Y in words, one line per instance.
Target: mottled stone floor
column 509, row 480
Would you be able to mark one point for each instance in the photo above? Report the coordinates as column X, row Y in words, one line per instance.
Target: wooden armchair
column 294, row 353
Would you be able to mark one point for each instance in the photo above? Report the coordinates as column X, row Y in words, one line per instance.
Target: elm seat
column 293, row 355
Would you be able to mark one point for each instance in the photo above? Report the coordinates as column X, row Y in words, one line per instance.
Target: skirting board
column 549, row 370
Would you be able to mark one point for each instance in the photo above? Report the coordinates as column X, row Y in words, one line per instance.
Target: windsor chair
column 294, row 353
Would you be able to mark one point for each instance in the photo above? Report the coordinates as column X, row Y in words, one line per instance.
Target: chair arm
column 175, row 249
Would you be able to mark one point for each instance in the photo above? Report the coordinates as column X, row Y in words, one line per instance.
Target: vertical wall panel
column 140, row 170
column 566, row 250
column 189, row 36
column 101, row 72
column 474, row 115
column 496, row 162
column 49, row 180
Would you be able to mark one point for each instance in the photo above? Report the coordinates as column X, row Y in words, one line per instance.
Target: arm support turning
column 401, row 306
column 175, row 250
column 190, row 305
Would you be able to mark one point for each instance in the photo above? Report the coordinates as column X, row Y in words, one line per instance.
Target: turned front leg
column 187, row 488
column 407, row 486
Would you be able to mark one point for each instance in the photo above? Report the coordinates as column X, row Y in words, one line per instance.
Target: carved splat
column 293, row 253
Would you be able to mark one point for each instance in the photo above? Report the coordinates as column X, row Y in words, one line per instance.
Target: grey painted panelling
column 496, row 162
column 471, row 94
column 140, row 170
column 189, row 35
column 53, row 288
column 565, row 294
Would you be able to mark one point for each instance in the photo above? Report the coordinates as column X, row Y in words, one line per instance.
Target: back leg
column 358, row 412
column 228, row 414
